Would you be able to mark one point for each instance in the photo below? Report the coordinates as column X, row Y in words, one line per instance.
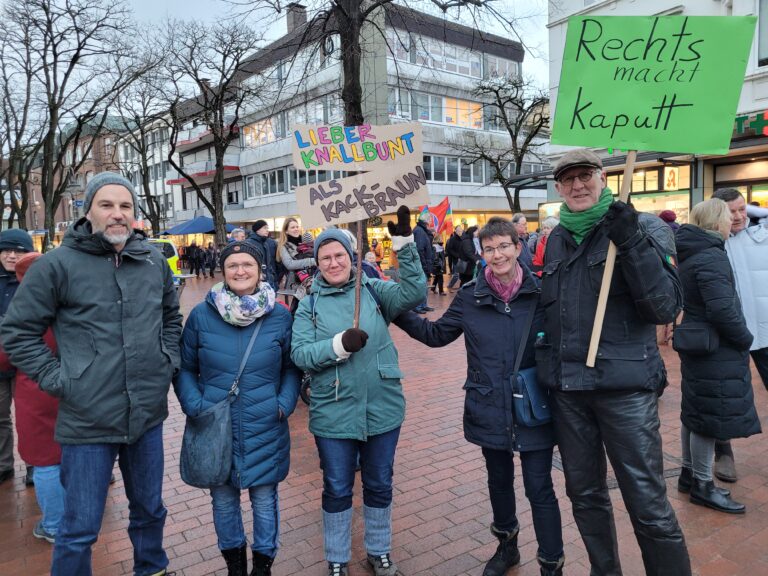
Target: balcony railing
column 204, row 171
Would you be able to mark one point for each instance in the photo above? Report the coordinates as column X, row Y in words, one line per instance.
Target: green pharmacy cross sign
column 664, row 83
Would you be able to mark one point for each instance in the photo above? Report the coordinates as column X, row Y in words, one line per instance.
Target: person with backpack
column 357, row 404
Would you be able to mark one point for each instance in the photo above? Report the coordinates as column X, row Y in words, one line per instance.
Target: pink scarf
column 505, row 291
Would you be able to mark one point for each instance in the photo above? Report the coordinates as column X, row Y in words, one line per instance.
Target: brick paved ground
column 441, row 512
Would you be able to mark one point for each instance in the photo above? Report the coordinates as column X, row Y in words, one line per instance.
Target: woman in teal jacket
column 357, row 403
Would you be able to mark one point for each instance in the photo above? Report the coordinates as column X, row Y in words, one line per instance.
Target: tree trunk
column 217, row 199
column 152, row 213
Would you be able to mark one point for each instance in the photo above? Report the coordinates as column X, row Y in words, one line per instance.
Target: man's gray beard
column 117, row 239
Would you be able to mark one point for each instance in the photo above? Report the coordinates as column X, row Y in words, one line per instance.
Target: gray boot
column 551, row 567
column 337, row 536
column 507, row 554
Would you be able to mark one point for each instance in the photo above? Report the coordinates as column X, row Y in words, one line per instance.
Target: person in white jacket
column 747, row 250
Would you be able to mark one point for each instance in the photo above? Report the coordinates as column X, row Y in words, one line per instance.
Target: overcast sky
column 532, row 15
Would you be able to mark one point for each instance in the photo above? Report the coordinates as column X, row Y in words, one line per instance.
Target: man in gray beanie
column 109, row 296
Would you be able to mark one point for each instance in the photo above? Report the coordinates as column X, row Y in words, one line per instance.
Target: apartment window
column 463, row 113
column 398, row 103
column 500, row 67
column 471, row 171
column 233, row 193
column 250, row 187
column 334, row 109
column 259, row 133
column 272, row 182
column 452, row 169
column 427, row 166
column 762, row 43
column 399, row 44
column 438, row 168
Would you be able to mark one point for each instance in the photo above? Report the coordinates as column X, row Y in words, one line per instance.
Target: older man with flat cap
column 109, row 296
column 612, row 408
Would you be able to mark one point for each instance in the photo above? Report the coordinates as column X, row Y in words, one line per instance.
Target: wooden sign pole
column 358, row 273
column 610, row 262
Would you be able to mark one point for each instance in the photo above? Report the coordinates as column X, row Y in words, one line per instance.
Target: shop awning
column 199, row 225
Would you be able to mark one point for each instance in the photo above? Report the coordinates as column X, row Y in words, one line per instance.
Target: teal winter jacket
column 361, row 396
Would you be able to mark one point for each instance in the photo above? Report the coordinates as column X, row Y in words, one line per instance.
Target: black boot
column 262, row 565
column 507, row 554
column 237, row 561
column 685, row 479
column 705, row 493
column 551, row 567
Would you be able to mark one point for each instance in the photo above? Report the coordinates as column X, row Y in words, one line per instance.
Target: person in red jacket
column 538, row 259
column 35, row 420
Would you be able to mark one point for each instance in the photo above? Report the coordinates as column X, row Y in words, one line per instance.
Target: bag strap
column 233, row 391
column 524, row 337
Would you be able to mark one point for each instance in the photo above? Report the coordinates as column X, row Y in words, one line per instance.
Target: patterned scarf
column 242, row 310
column 505, row 291
column 580, row 223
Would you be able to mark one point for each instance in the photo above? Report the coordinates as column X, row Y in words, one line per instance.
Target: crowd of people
column 93, row 340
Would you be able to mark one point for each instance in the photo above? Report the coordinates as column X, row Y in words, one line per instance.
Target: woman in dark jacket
column 491, row 313
column 468, row 255
column 215, row 337
column 717, row 403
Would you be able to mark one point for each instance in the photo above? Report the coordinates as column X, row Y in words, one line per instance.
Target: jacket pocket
column 78, row 358
column 545, row 365
column 596, row 267
column 387, row 363
column 550, row 281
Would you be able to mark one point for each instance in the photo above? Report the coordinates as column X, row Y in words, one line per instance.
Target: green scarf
column 580, row 223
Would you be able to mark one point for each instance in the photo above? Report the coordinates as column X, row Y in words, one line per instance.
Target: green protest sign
column 665, row 83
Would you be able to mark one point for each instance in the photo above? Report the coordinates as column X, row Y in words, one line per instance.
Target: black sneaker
column 29, row 479
column 382, row 565
column 337, row 569
column 6, row 475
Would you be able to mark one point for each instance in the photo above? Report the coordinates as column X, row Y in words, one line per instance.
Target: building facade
column 674, row 181
column 421, row 69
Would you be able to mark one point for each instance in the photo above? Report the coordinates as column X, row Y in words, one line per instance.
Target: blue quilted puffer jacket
column 211, row 353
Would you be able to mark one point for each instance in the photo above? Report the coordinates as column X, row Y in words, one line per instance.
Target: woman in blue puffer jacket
column 214, row 340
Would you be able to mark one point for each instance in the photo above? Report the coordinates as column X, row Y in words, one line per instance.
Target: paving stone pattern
column 441, row 509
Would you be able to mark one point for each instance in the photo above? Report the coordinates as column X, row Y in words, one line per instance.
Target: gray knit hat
column 333, row 235
column 105, row 179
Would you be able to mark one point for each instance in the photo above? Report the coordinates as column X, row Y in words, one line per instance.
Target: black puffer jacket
column 492, row 331
column 717, row 388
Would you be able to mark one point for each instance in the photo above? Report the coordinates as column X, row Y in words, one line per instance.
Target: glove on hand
column 403, row 226
column 621, row 220
column 354, row 339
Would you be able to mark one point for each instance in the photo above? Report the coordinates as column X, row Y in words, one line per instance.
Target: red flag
column 442, row 216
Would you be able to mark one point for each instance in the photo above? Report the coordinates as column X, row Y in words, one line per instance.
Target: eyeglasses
column 247, row 267
column 489, row 251
column 326, row 260
column 583, row 177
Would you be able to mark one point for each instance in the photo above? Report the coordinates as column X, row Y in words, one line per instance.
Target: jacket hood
column 80, row 236
column 691, row 240
column 469, row 233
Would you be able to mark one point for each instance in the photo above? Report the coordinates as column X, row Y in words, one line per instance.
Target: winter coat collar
column 485, row 295
column 691, row 240
column 81, row 237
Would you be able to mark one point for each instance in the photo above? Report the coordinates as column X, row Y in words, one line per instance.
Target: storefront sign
column 665, row 83
column 388, row 161
column 671, row 178
column 751, row 125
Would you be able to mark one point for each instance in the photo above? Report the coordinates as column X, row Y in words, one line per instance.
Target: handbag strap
column 524, row 337
column 233, row 391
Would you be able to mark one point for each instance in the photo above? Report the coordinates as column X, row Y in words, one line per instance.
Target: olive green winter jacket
column 117, row 325
column 361, row 396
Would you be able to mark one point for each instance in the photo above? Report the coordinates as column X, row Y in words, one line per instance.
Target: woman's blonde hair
column 284, row 236
column 712, row 214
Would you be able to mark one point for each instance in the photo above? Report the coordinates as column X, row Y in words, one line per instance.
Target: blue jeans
column 338, row 458
column 228, row 518
column 85, row 473
column 537, row 479
column 50, row 496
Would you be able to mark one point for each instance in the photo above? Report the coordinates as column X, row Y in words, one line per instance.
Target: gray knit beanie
column 105, row 179
column 333, row 235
